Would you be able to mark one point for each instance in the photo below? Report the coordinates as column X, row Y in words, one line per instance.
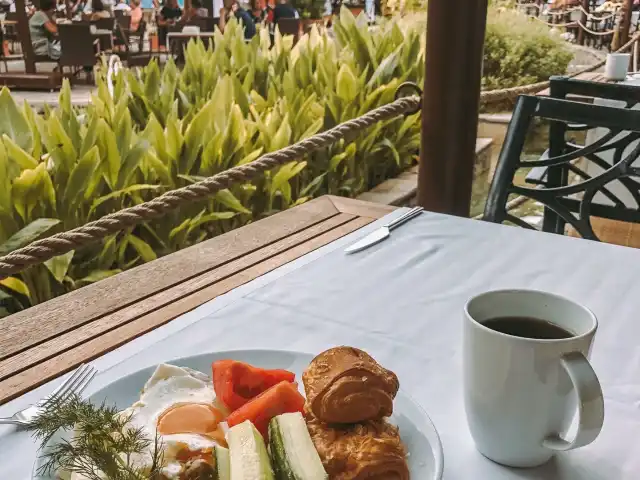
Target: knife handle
column 414, row 212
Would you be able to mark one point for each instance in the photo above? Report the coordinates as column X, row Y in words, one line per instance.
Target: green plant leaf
column 211, row 217
column 81, row 178
column 59, row 266
column 124, row 191
column 97, row 275
column 143, row 248
column 17, row 285
column 347, row 83
column 28, row 234
column 13, row 124
column 229, row 200
column 18, row 155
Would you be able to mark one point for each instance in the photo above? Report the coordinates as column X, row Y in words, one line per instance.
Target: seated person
column 284, row 10
column 136, row 15
column 243, row 17
column 196, row 10
column 122, row 5
column 169, row 15
column 44, row 31
column 98, row 10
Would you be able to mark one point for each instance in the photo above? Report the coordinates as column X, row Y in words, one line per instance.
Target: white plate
column 426, row 460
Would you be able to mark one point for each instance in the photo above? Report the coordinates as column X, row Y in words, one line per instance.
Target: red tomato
column 235, row 383
column 281, row 398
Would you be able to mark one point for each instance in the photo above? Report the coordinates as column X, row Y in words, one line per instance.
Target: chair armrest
column 538, row 175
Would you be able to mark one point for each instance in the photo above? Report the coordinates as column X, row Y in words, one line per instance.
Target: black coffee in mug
column 527, row 327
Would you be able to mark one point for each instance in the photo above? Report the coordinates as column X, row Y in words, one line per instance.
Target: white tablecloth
column 401, row 301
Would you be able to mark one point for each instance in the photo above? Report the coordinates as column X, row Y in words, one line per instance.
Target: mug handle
column 590, row 403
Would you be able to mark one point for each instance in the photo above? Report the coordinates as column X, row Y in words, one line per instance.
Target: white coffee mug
column 522, row 393
column 617, row 66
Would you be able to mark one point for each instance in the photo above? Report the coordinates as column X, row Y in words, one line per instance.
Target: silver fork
column 75, row 383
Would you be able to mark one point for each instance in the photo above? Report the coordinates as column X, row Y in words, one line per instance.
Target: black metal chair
column 569, row 203
column 78, row 47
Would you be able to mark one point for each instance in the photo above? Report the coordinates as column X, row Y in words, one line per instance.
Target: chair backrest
column 289, row 26
column 572, row 202
column 105, row 23
column 124, row 21
column 76, row 44
column 206, row 24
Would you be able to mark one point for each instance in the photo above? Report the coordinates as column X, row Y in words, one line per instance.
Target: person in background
column 196, row 10
column 98, row 10
column 136, row 15
column 284, row 10
column 122, row 5
column 44, row 30
column 169, row 15
column 242, row 16
column 107, row 6
column 78, row 7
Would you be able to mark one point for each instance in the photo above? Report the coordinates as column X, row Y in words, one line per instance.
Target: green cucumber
column 293, row 455
column 223, row 467
column 248, row 455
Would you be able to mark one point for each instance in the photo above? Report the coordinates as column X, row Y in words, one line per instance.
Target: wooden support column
column 455, row 39
column 25, row 37
column 626, row 21
column 584, row 19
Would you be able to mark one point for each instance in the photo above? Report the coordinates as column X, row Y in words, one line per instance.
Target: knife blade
column 374, row 237
column 384, row 231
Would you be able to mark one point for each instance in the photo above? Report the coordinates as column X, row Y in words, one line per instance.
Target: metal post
column 450, row 104
column 25, row 37
column 626, row 21
column 584, row 20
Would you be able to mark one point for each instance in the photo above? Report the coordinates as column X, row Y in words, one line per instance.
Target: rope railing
column 579, row 8
column 494, row 96
column 60, row 243
column 44, row 249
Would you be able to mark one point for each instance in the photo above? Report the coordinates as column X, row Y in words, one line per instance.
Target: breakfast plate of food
column 244, row 415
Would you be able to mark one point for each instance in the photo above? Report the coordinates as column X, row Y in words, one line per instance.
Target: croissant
column 372, row 450
column 346, row 385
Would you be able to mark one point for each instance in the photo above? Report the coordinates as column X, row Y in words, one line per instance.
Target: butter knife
column 383, row 232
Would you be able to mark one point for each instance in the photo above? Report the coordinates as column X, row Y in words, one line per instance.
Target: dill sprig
column 103, row 444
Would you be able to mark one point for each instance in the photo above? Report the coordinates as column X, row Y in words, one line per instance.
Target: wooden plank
column 70, row 311
column 46, row 371
column 94, row 329
column 360, row 207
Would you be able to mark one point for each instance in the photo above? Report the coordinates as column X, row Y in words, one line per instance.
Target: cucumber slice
column 293, row 454
column 223, row 467
column 248, row 454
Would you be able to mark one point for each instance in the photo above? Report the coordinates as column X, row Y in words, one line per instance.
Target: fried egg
column 179, row 405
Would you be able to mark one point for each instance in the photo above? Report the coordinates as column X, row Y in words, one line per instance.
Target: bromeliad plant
column 164, row 129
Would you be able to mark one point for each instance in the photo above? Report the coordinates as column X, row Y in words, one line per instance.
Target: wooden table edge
column 351, row 215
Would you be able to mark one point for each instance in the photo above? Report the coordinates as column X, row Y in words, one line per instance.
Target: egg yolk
column 197, row 418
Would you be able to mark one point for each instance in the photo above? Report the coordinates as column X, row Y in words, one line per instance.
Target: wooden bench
column 35, row 81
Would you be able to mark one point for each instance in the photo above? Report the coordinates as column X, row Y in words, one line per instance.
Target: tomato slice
column 235, row 383
column 281, row 398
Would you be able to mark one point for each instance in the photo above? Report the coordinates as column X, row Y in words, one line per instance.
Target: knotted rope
column 60, row 243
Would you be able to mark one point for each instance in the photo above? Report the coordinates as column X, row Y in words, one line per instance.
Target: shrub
column 309, row 9
column 519, row 51
column 166, row 129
